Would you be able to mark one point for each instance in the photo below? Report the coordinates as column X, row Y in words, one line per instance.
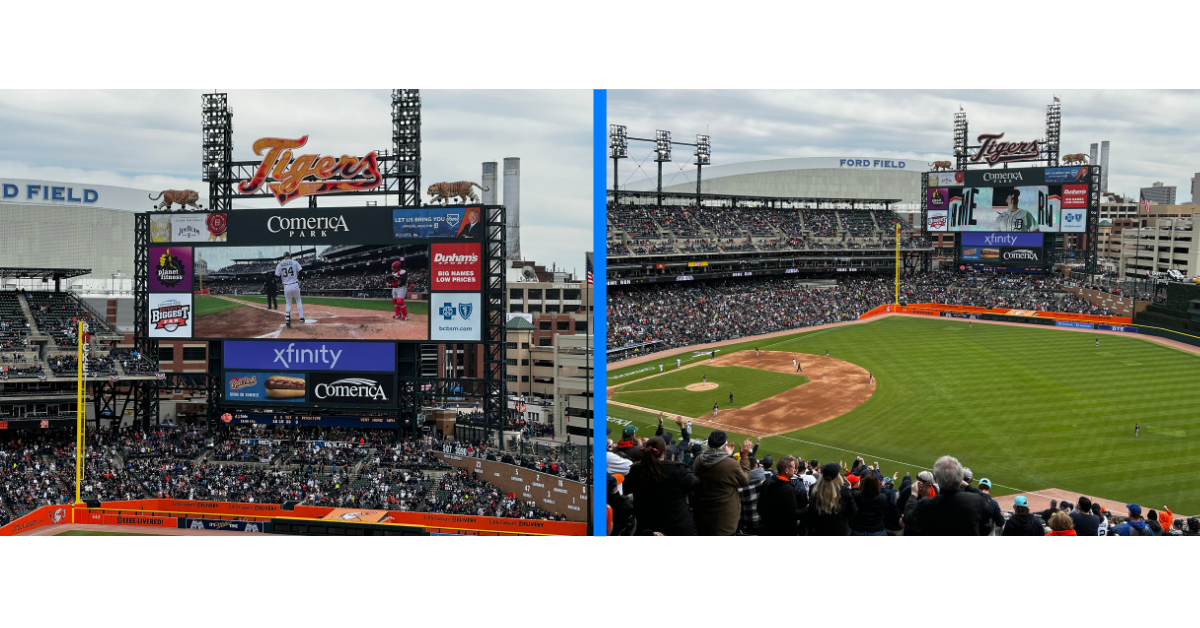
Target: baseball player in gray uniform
column 288, row 270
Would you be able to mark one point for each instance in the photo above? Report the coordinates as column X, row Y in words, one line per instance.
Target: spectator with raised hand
column 777, row 504
column 830, row 504
column 716, row 505
column 1023, row 522
column 1166, row 519
column 872, row 506
column 660, row 490
column 953, row 511
column 1061, row 525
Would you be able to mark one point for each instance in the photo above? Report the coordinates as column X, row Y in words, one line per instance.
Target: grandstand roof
column 735, row 199
column 42, row 273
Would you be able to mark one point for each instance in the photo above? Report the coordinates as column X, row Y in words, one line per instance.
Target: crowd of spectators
column 711, row 311
column 649, row 222
column 366, row 279
column 38, row 468
column 718, row 488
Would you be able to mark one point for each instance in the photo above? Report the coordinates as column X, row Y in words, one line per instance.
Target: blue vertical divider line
column 599, row 310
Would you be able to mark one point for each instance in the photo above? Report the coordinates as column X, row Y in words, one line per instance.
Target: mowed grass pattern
column 1025, row 407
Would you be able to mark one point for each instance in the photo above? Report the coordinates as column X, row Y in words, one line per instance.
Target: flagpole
column 81, row 340
column 897, row 303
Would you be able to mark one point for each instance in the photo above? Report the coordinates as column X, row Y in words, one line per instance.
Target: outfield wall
column 941, row 309
column 173, row 512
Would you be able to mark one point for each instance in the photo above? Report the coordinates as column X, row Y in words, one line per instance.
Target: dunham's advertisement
column 170, row 316
column 456, row 266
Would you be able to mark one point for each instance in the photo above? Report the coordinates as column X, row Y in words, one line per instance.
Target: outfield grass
column 99, row 533
column 668, row 393
column 1028, row 408
column 205, row 305
column 383, row 305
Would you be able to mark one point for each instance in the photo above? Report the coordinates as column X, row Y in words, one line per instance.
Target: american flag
column 1057, row 100
column 1144, row 203
column 589, row 269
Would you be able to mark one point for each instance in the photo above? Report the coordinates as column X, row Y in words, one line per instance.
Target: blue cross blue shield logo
column 453, row 220
column 447, row 311
column 464, row 310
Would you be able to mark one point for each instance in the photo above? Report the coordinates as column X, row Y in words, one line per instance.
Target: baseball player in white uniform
column 288, row 270
column 398, row 281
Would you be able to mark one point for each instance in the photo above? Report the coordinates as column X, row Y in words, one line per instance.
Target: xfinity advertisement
column 310, row 356
column 1003, row 249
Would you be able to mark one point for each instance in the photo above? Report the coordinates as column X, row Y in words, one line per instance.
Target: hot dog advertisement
column 254, row 387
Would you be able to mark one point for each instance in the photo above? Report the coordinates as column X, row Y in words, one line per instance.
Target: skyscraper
column 1161, row 194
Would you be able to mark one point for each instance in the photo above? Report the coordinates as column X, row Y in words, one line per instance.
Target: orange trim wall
column 936, row 309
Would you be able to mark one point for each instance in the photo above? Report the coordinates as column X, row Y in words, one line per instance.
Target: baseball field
column 227, row 316
column 1031, row 409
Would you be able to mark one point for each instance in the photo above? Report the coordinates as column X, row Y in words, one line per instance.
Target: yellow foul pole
column 80, row 404
column 897, row 265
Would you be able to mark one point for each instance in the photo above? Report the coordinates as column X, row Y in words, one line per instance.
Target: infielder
column 659, row 368
column 288, row 270
column 398, row 282
column 756, row 352
column 715, row 408
column 678, row 362
column 799, row 369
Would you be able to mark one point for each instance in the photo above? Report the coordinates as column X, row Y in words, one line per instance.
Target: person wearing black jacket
column 997, row 520
column 872, row 508
column 891, row 517
column 1086, row 524
column 953, row 511
column 830, row 504
column 623, row 522
column 271, row 289
column 777, row 503
column 660, row 491
column 1023, row 522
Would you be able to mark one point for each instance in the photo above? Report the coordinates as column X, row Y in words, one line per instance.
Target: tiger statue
column 183, row 197
column 1075, row 158
column 459, row 189
column 940, row 165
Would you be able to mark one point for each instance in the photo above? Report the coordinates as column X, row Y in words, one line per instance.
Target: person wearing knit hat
column 715, row 504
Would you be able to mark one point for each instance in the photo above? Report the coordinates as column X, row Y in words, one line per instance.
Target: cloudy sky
column 151, row 140
column 1155, row 135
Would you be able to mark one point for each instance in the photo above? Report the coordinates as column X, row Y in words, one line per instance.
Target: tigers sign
column 308, row 175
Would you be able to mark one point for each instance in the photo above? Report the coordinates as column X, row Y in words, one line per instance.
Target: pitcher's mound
column 695, row 387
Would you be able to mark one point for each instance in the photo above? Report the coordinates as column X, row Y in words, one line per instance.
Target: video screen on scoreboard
column 1026, row 200
column 317, row 274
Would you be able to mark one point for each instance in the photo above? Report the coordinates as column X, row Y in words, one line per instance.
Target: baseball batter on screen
column 398, row 282
column 288, row 270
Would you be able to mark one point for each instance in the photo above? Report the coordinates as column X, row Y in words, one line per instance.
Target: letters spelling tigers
column 346, row 172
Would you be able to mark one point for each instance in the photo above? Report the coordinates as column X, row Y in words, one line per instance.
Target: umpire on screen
column 271, row 289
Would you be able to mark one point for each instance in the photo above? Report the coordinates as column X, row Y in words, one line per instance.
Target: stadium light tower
column 618, row 149
column 703, row 158
column 662, row 149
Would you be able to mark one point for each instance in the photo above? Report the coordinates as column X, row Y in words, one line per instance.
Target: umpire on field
column 271, row 289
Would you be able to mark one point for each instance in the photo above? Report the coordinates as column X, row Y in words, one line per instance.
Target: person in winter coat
column 1136, row 526
column 715, row 504
column 620, row 508
column 628, row 447
column 777, row 505
column 953, row 511
column 1023, row 522
column 1153, row 523
column 891, row 518
column 830, row 504
column 1061, row 525
column 997, row 520
column 660, row 491
column 872, row 508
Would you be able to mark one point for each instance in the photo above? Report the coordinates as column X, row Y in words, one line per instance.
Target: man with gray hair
column 954, row 511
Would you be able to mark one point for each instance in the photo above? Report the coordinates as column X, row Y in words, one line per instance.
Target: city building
column 1159, row 193
column 1163, row 244
column 1196, row 189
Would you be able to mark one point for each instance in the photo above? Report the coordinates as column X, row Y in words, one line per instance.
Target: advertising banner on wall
column 264, row 388
column 170, row 269
column 435, row 223
column 456, row 266
column 309, row 226
column 456, row 317
column 1003, row 249
column 170, row 316
column 372, row 389
column 310, row 356
column 223, row 524
column 189, row 227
